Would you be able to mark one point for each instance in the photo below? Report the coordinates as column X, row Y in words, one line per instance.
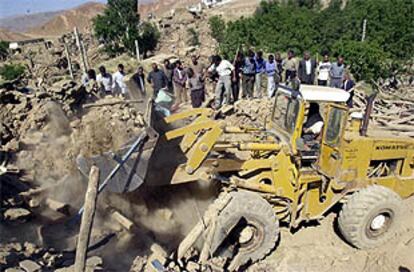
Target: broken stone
column 13, row 270
column 14, row 214
column 94, row 261
column 57, row 206
column 192, row 266
column 29, row 266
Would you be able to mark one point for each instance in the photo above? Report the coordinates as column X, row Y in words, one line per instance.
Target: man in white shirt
column 104, row 80
column 324, row 68
column 118, row 81
column 225, row 71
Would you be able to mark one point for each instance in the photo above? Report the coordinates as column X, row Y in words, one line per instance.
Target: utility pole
column 85, row 55
column 137, row 51
column 69, row 60
column 79, row 45
column 364, row 30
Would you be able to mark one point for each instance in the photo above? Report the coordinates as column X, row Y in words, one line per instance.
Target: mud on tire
column 370, row 217
column 258, row 214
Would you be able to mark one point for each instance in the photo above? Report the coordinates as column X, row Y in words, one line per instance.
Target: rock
column 94, row 261
column 14, row 269
column 30, row 249
column 75, row 124
column 29, row 266
column 139, row 264
column 14, row 214
column 192, row 267
column 8, row 257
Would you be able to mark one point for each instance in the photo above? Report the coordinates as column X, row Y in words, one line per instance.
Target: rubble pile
column 27, row 257
column 393, row 110
column 175, row 35
column 22, row 110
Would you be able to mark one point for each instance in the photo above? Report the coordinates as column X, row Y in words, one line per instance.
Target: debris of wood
column 92, row 105
column 122, row 220
column 87, row 220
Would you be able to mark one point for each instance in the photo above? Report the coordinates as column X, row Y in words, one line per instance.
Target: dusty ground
column 320, row 249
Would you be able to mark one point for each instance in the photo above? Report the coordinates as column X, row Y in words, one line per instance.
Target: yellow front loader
column 273, row 176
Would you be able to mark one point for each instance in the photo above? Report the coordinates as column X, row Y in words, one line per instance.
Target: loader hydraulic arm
column 203, row 134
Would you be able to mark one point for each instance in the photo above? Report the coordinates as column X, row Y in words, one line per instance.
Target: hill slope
column 22, row 23
column 80, row 17
column 6, row 35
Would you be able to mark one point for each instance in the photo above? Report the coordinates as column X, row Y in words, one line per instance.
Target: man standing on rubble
column 260, row 71
column 271, row 71
column 279, row 65
column 157, row 79
column 180, row 80
column 104, row 80
column 290, row 65
column 248, row 75
column 225, row 71
column 324, row 68
column 235, row 84
column 118, row 81
column 139, row 79
column 198, row 67
column 337, row 73
column 168, row 71
column 306, row 70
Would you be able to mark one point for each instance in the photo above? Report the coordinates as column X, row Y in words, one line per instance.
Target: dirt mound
column 80, row 17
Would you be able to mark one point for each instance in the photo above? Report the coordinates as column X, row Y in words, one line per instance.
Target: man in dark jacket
column 306, row 70
column 168, row 71
column 139, row 79
column 157, row 79
column 349, row 86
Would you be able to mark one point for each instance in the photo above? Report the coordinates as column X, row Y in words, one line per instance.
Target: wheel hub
column 246, row 235
column 378, row 222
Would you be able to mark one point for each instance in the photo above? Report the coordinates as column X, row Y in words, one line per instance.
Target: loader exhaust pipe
column 368, row 111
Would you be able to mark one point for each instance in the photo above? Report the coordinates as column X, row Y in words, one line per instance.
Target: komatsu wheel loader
column 273, row 176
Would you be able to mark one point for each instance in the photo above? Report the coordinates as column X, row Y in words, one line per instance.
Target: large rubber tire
column 370, row 217
column 258, row 213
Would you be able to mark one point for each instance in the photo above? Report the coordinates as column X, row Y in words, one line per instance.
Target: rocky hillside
column 80, row 17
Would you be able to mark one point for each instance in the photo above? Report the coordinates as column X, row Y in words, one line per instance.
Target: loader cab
column 294, row 113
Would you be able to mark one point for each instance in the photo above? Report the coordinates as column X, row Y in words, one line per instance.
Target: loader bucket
column 126, row 169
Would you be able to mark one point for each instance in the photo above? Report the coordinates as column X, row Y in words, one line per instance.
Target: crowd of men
column 246, row 73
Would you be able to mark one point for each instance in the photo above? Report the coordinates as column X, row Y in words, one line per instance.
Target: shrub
column 12, row 71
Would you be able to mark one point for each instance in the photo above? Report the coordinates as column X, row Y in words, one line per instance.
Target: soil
column 320, row 248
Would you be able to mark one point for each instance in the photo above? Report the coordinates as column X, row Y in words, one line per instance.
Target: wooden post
column 85, row 55
column 69, row 60
column 87, row 220
column 364, row 30
column 137, row 51
column 79, row 45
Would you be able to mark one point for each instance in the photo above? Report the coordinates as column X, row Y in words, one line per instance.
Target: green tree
column 119, row 26
column 217, row 28
column 12, row 71
column 365, row 60
column 302, row 25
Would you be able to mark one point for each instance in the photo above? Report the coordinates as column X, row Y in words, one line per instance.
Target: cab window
column 334, row 127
